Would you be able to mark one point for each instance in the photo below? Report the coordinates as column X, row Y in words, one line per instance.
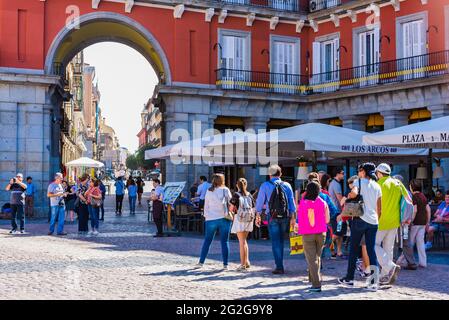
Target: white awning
column 336, row 142
column 427, row 134
column 85, row 162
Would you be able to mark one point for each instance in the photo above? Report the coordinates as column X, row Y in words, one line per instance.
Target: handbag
column 95, row 202
column 228, row 214
column 354, row 207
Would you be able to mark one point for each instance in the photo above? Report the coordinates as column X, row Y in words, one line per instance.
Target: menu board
column 172, row 190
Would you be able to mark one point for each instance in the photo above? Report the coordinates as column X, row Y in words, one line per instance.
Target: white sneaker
column 372, row 287
column 199, row 265
column 95, row 232
column 225, row 267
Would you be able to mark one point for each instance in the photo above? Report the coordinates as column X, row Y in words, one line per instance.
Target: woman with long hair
column 215, row 214
column 243, row 206
column 365, row 226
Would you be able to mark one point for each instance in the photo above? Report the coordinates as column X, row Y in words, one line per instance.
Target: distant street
column 126, row 262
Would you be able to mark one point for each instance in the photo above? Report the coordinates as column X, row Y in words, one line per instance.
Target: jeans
column 102, row 210
column 385, row 240
column 277, row 229
column 211, row 227
column 59, row 213
column 17, row 213
column 132, row 204
column 94, row 213
column 118, row 203
column 360, row 228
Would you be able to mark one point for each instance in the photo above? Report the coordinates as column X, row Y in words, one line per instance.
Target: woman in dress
column 243, row 206
column 70, row 201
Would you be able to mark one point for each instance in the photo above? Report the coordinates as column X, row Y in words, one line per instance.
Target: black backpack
column 278, row 203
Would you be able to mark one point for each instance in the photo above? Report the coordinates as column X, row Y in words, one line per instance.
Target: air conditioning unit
column 313, row 5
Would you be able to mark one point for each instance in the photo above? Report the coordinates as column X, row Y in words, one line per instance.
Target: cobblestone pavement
column 126, row 262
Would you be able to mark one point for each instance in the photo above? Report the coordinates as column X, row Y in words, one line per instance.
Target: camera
column 61, row 202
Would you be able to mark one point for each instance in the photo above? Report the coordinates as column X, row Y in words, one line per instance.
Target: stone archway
column 107, row 26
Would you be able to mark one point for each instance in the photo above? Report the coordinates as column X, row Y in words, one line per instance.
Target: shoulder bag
column 354, row 207
column 228, row 214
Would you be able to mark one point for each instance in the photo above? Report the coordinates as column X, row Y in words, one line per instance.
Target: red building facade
column 251, row 64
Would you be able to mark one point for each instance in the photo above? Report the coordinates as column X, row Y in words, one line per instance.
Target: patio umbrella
column 427, row 134
column 85, row 162
column 197, row 147
column 335, row 142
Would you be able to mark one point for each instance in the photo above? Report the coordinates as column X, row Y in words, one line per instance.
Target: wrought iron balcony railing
column 282, row 5
column 394, row 71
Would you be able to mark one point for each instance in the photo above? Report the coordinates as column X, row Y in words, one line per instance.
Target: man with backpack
column 277, row 197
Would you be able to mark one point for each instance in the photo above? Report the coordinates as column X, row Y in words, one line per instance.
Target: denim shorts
column 440, row 227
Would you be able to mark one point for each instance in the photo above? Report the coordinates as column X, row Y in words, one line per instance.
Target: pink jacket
column 312, row 216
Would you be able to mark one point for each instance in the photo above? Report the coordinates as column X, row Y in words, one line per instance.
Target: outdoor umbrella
column 335, row 142
column 427, row 134
column 196, row 148
column 85, row 162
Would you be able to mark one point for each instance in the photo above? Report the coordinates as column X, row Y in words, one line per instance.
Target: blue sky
column 126, row 81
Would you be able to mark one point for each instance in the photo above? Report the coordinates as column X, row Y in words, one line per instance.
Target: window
column 234, row 59
column 326, row 63
column 411, row 46
column 366, row 55
column 284, row 63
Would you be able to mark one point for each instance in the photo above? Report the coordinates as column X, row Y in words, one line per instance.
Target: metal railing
column 260, row 81
column 394, row 71
column 282, row 5
column 316, row 5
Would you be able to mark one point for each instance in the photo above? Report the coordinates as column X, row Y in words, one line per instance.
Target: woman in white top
column 366, row 225
column 216, row 203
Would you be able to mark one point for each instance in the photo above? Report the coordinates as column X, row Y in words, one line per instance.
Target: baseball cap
column 384, row 168
column 19, row 175
column 59, row 175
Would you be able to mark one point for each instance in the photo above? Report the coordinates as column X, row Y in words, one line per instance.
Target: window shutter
column 316, row 47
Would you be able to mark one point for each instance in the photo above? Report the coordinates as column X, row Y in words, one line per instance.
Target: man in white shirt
column 202, row 189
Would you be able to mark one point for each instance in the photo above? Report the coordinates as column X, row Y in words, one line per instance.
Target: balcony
column 394, row 71
column 281, row 5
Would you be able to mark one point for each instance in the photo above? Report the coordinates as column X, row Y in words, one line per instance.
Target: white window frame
column 231, row 80
column 317, row 79
column 296, row 60
column 235, row 33
column 411, row 63
column 356, row 50
column 400, row 21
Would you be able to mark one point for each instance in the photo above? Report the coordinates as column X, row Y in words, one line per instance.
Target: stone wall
column 25, row 133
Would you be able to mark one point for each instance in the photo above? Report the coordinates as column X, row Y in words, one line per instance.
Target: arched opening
column 64, row 57
column 106, row 26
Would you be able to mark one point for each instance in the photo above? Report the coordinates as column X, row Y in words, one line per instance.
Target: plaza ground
column 126, row 262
